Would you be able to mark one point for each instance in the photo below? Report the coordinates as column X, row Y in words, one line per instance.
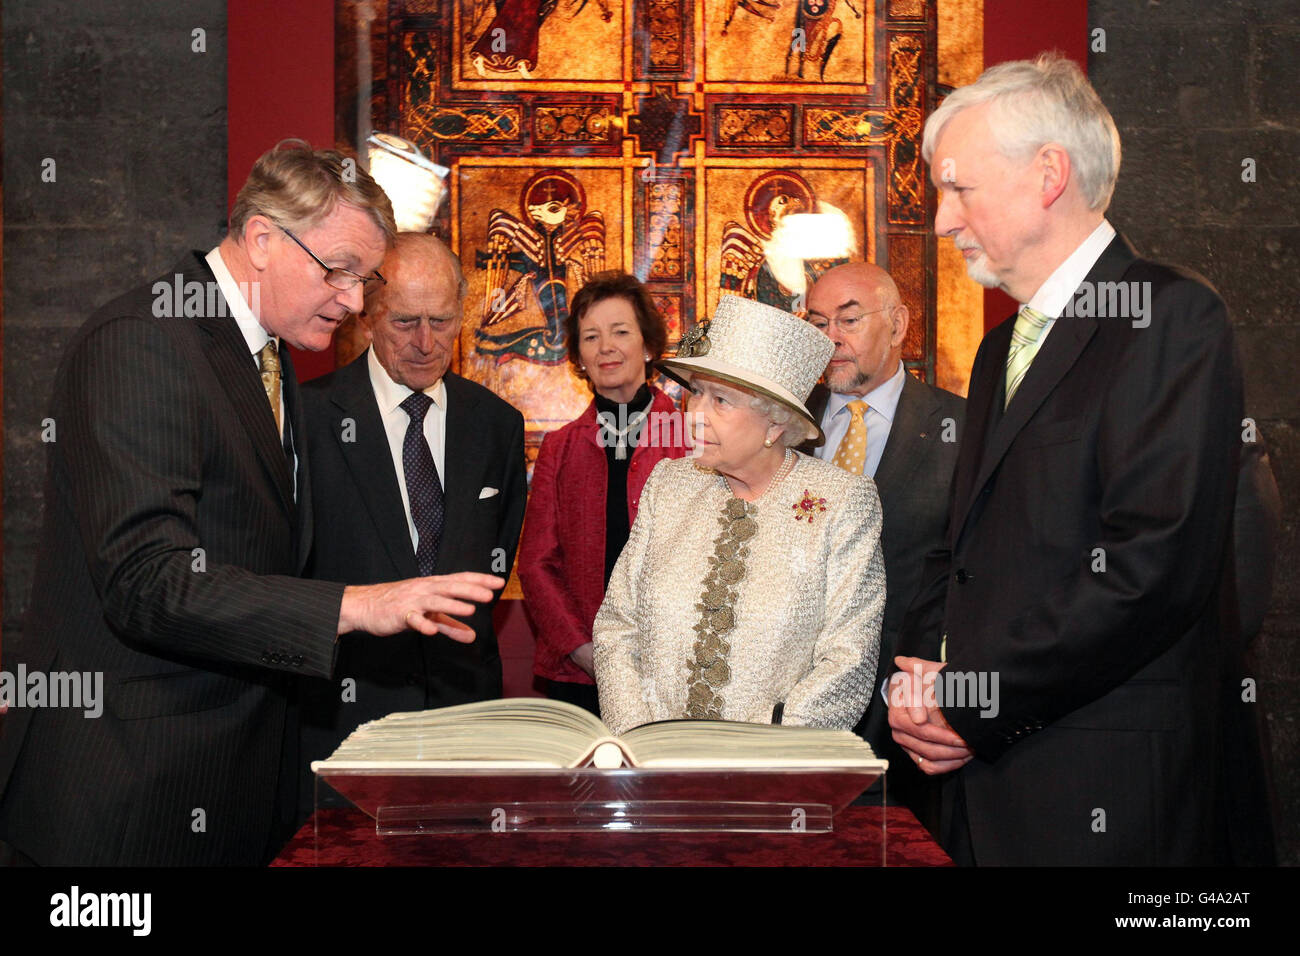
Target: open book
column 527, row 732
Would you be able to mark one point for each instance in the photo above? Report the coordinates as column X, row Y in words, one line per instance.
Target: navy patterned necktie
column 423, row 489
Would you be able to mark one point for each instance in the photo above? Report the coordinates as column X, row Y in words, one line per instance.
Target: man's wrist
column 350, row 608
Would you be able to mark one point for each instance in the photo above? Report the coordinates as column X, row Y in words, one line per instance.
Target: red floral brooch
column 808, row 507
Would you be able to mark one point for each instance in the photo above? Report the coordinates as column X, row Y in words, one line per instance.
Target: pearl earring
column 767, row 443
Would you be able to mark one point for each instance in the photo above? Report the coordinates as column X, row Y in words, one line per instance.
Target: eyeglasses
column 847, row 324
column 341, row 279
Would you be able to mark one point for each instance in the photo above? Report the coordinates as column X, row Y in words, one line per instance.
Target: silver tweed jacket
column 807, row 612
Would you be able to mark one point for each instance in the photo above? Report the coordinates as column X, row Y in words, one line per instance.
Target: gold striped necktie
column 269, row 363
column 851, row 455
column 1024, row 346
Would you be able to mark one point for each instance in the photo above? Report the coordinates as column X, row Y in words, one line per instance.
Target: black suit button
column 266, row 657
column 962, row 576
column 297, row 660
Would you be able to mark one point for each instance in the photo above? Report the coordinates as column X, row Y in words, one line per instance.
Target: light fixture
column 805, row 237
column 827, row 234
column 414, row 183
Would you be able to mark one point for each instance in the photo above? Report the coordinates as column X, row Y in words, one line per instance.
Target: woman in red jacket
column 589, row 474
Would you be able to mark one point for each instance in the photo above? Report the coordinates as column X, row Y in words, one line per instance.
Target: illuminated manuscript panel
column 525, row 254
column 669, row 138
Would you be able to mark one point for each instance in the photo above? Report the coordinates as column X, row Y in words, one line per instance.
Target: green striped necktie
column 1024, row 346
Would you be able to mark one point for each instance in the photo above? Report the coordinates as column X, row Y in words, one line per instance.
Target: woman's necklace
column 783, row 472
column 787, row 466
column 608, row 428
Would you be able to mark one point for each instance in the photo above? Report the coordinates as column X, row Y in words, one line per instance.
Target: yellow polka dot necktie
column 852, row 453
column 269, row 364
column 1025, row 337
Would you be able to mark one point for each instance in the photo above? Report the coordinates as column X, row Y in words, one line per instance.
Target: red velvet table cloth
column 347, row 838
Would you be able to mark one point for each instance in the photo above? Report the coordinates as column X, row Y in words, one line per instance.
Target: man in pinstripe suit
column 176, row 525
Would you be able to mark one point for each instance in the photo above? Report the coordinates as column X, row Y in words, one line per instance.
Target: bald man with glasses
column 882, row 422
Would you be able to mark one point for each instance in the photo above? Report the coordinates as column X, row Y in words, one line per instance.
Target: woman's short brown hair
column 618, row 285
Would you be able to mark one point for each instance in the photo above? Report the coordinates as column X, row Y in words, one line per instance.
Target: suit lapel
column 370, row 460
column 233, row 364
column 816, row 405
column 983, row 412
column 1068, row 338
column 464, row 447
column 1056, row 357
column 912, row 420
column 295, row 433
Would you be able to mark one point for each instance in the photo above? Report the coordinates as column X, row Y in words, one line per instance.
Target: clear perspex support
column 752, row 800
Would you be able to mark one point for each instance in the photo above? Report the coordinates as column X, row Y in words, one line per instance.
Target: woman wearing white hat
column 752, row 584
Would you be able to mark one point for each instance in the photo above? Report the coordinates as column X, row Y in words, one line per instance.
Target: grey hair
column 1044, row 100
column 780, row 414
column 296, row 187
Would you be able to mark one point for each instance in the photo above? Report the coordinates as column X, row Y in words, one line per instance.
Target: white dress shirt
column 250, row 327
column 1056, row 292
column 882, row 403
column 389, row 395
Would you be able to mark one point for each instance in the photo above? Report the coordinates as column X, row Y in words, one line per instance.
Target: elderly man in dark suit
column 889, row 425
column 1090, row 580
column 177, row 497
column 416, row 470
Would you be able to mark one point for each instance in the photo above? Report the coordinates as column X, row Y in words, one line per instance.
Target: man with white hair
column 1089, row 587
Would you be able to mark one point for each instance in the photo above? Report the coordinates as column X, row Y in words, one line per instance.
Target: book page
column 722, row 743
column 512, row 733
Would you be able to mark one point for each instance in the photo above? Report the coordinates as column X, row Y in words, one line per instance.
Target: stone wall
column 1196, row 88
column 135, row 121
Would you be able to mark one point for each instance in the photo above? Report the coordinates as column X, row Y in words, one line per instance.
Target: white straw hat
column 757, row 347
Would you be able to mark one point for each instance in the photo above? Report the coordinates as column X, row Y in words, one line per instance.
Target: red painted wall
column 280, row 81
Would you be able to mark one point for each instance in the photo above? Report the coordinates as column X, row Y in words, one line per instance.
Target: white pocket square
column 488, row 493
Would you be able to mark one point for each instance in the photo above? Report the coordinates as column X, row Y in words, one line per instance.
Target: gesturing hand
column 418, row 604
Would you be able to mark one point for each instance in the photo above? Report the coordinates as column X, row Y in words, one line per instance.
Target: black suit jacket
column 167, row 562
column 361, row 537
column 1091, row 575
column 913, row 478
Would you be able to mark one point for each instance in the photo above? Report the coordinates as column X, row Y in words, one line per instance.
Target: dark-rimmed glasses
column 847, row 324
column 342, row 279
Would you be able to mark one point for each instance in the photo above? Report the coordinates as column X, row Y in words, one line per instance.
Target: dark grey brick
column 1220, row 194
column 1277, row 71
column 1156, row 15
column 1178, row 76
column 59, row 275
column 1268, row 359
column 113, row 14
